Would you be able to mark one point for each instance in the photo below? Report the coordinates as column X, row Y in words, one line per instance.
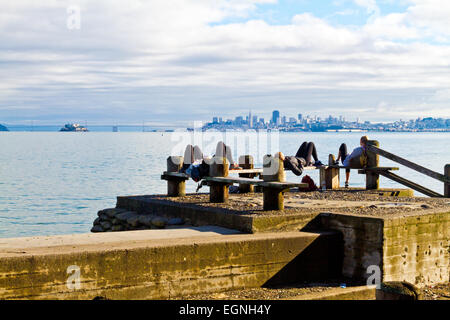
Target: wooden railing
column 374, row 149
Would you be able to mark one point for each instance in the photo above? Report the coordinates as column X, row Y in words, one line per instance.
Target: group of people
column 197, row 165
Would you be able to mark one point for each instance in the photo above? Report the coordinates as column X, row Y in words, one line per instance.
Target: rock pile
column 123, row 220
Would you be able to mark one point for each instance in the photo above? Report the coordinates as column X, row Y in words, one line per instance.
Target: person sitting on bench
column 357, row 159
column 306, row 156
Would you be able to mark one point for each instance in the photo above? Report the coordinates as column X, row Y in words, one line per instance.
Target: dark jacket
column 295, row 164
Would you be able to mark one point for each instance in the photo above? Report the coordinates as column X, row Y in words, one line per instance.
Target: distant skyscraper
column 276, row 116
column 283, row 120
column 300, row 117
column 215, row 120
column 239, row 120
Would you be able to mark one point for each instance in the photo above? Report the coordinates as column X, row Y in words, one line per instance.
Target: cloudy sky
column 184, row 60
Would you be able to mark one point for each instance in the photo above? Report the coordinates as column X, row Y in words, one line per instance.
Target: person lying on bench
column 306, row 156
column 194, row 156
column 224, row 151
column 357, row 159
column 191, row 155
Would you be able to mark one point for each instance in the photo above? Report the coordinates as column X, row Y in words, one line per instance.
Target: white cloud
column 145, row 55
column 370, row 6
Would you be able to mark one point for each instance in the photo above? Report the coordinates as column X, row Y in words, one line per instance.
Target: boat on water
column 73, row 127
column 3, row 128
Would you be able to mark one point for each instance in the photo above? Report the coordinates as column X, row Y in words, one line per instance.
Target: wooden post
column 218, row 191
column 373, row 160
column 175, row 187
column 246, row 162
column 329, row 176
column 273, row 170
column 447, row 184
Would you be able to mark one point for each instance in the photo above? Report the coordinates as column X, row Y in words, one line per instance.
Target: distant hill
column 3, row 128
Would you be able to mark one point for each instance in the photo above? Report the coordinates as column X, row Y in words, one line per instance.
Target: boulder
column 175, row 222
column 133, row 221
column 124, row 216
column 97, row 228
column 159, row 222
column 106, row 225
column 104, row 217
column 97, row 222
column 113, row 212
column 115, row 221
column 146, row 220
column 118, row 228
column 398, row 290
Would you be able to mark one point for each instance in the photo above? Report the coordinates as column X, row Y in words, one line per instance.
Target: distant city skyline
column 306, row 122
column 180, row 61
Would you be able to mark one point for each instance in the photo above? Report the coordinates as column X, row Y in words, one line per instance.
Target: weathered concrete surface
column 245, row 212
column 413, row 248
column 351, row 293
column 154, row 264
column 407, row 238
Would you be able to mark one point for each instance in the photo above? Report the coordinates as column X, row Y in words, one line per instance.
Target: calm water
column 54, row 183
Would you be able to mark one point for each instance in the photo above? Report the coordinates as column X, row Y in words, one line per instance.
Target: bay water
column 54, row 183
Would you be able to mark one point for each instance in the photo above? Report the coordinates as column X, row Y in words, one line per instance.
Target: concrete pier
column 158, row 264
column 235, row 245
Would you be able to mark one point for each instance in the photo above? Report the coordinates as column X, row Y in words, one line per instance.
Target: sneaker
column 346, row 185
column 318, row 163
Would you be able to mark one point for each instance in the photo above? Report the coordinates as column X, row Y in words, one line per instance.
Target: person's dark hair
column 364, row 140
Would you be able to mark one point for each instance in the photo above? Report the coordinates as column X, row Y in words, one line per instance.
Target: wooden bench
column 176, row 181
column 273, row 183
column 273, row 199
column 329, row 174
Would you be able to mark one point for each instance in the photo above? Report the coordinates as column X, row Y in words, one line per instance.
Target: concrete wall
column 197, row 215
column 411, row 248
column 156, row 269
column 416, row 249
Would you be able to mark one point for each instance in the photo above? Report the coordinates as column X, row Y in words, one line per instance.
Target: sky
column 179, row 61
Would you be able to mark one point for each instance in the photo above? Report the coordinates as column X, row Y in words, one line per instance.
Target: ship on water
column 3, row 128
column 73, row 127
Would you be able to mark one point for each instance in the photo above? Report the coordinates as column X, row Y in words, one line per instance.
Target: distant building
column 276, row 117
column 73, row 127
column 254, row 121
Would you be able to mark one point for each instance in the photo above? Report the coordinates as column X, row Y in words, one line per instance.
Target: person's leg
column 188, row 157
column 229, row 156
column 198, row 154
column 342, row 155
column 311, row 153
column 222, row 151
column 301, row 152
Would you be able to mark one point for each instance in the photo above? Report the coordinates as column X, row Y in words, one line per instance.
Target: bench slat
column 277, row 185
